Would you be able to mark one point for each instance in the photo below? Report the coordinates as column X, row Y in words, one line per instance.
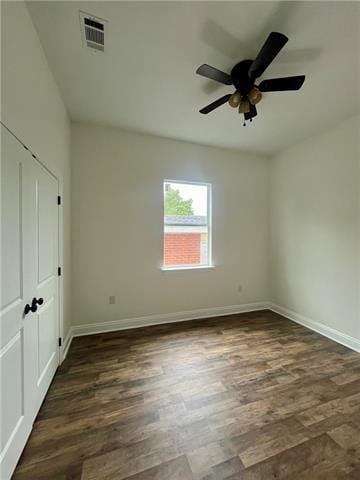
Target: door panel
column 12, row 390
column 29, row 353
column 11, row 245
column 11, row 290
column 47, row 225
column 47, row 333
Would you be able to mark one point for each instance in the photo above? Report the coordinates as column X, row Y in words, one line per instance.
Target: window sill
column 187, row 267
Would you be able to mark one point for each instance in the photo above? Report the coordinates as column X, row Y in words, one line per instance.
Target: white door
column 43, row 242
column 29, row 352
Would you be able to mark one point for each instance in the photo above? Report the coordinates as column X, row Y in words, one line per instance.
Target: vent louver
column 93, row 31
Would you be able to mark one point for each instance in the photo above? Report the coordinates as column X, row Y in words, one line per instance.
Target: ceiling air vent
column 93, row 31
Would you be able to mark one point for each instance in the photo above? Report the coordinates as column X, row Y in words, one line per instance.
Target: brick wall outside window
column 182, row 248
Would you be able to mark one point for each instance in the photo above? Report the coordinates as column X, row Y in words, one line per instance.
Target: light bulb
column 256, row 99
column 244, row 106
column 253, row 93
column 235, row 99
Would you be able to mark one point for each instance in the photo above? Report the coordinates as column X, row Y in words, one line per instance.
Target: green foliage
column 176, row 205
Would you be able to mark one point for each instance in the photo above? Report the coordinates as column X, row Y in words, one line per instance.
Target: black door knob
column 33, row 307
column 30, row 308
column 37, row 301
column 34, row 304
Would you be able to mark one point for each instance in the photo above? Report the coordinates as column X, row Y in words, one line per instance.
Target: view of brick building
column 185, row 240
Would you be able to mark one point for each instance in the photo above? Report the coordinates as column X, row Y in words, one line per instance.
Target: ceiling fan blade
column 214, row 74
column 220, row 101
column 282, row 84
column 252, row 113
column 268, row 52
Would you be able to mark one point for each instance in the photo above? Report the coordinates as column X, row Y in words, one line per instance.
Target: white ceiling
column 146, row 79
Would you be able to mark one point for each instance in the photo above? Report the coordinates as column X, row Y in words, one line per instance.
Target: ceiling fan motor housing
column 240, row 77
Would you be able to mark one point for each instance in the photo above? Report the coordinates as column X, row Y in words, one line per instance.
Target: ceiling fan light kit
column 243, row 76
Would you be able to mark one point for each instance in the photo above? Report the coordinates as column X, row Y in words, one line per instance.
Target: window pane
column 186, row 224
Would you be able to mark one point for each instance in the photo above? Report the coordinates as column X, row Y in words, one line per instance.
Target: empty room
column 180, row 240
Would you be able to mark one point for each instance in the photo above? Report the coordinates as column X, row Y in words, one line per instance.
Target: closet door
column 29, row 329
column 17, row 397
column 45, row 284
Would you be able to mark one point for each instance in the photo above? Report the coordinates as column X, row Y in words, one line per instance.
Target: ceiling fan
column 243, row 76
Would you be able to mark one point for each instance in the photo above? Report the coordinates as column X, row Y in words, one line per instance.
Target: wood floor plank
column 292, row 461
column 346, row 436
column 251, row 397
column 176, row 469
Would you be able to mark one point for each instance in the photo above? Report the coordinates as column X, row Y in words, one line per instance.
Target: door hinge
column 60, row 341
column 59, row 200
column 59, row 271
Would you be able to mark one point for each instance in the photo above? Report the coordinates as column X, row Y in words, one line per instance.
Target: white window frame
column 209, row 225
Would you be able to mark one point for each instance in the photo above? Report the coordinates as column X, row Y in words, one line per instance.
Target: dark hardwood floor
column 250, row 396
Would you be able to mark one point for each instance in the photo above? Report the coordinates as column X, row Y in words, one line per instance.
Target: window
column 187, row 225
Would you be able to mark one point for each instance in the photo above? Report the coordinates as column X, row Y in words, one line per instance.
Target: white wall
column 117, row 225
column 315, row 228
column 32, row 109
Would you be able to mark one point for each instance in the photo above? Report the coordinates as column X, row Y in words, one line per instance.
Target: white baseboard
column 329, row 332
column 146, row 321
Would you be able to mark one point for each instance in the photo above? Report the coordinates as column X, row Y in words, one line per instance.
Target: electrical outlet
column 112, row 299
column 240, row 288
